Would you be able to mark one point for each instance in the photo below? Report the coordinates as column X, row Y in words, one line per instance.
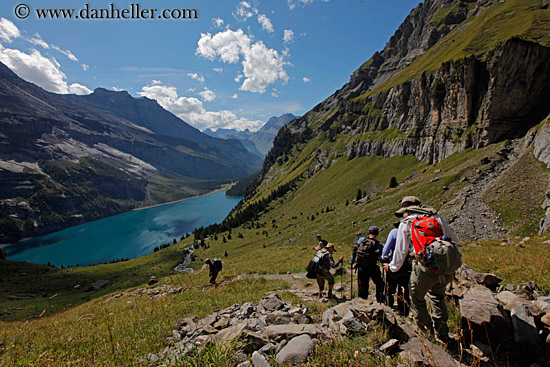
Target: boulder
column 419, row 351
column 482, row 316
column 280, row 332
column 259, row 360
column 271, row 303
column 525, row 330
column 296, row 350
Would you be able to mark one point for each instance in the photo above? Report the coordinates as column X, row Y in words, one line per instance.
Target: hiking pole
column 341, row 281
column 351, row 281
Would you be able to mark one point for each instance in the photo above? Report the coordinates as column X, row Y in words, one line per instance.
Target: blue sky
column 235, row 66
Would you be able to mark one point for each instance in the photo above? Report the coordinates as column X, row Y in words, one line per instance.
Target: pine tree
column 359, row 195
column 393, row 182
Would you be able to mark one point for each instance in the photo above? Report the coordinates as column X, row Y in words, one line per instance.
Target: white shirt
column 404, row 243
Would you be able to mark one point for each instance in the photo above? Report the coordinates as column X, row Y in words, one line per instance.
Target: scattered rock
column 97, row 285
column 419, row 351
column 390, row 346
column 296, row 350
column 259, row 360
column 153, row 280
column 482, row 316
column 525, row 330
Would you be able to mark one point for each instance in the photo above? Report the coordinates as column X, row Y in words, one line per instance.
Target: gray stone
column 510, row 300
column 271, row 303
column 259, row 360
column 280, row 332
column 419, row 351
column 222, row 323
column 269, row 347
column 247, row 309
column 99, row 284
column 296, row 350
column 482, row 316
column 525, row 330
column 245, row 364
column 390, row 346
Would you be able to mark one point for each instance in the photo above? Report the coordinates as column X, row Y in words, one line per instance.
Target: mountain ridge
column 62, row 160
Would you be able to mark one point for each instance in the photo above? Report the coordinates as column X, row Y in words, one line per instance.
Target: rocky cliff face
column 469, row 102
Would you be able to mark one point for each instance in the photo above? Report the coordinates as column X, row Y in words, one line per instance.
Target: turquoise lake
column 128, row 235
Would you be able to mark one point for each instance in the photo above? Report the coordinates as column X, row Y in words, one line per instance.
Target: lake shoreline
column 131, row 234
column 5, row 245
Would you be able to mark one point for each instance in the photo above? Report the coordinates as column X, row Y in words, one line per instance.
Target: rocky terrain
column 500, row 325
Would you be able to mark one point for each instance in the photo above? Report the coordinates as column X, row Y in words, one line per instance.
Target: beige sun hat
column 330, row 247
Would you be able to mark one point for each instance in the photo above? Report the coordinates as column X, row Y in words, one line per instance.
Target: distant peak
column 103, row 91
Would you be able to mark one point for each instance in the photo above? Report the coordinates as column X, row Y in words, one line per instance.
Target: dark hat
column 374, row 230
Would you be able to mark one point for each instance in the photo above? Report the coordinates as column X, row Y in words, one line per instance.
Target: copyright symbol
column 22, row 11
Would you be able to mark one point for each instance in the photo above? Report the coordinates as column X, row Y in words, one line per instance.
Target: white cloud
column 218, row 70
column 8, row 30
column 306, row 80
column 191, row 110
column 35, row 68
column 244, row 11
column 37, row 40
column 79, row 89
column 40, row 70
column 85, row 67
column 67, row 53
column 196, row 76
column 266, row 23
column 262, row 66
column 293, row 3
column 238, row 78
column 218, row 22
column 207, row 95
column 235, row 96
column 288, row 36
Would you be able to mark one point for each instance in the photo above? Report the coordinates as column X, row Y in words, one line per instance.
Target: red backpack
column 424, row 230
column 434, row 250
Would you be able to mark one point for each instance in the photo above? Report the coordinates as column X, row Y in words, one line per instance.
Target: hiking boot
column 330, row 296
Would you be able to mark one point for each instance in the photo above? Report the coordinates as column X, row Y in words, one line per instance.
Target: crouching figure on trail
column 435, row 249
column 214, row 268
column 366, row 254
column 325, row 263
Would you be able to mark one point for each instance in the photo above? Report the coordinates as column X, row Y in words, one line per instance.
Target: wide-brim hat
column 410, row 200
column 416, row 209
column 330, row 246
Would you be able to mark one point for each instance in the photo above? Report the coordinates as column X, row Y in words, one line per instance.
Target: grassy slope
column 126, row 328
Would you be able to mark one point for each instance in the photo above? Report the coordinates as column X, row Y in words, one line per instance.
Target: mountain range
column 67, row 159
column 257, row 142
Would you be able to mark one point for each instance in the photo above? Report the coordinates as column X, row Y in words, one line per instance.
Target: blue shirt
column 389, row 247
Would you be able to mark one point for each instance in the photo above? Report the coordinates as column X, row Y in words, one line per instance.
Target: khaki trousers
column 424, row 284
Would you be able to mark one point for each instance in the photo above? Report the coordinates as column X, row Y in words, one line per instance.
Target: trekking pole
column 351, row 281
column 341, row 281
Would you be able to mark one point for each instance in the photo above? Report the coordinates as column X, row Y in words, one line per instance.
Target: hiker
column 398, row 281
column 322, row 243
column 424, row 281
column 325, row 263
column 215, row 267
column 366, row 253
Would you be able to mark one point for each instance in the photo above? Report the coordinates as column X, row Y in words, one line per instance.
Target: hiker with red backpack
column 366, row 253
column 435, row 251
